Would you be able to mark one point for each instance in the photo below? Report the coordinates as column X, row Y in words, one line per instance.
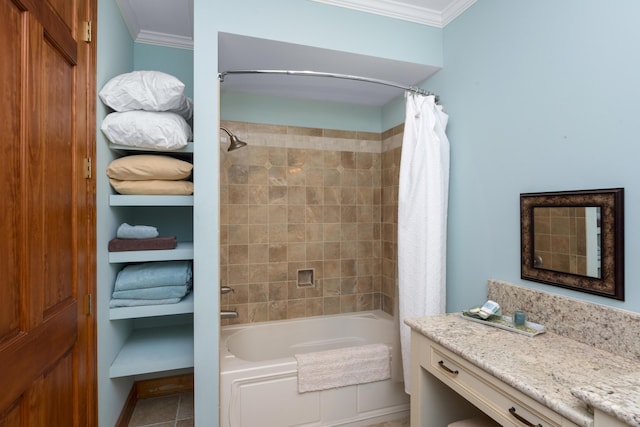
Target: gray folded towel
column 126, row 231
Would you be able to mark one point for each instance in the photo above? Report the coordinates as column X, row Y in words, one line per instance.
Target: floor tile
column 177, row 411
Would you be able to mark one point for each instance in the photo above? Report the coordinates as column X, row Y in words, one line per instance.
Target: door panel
column 11, row 33
column 47, row 347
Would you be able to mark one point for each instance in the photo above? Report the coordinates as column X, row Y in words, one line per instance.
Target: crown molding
column 162, row 39
column 406, row 12
column 140, row 35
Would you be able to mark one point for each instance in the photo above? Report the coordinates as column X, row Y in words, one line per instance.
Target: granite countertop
column 562, row 374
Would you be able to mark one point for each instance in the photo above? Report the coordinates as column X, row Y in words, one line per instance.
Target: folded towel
column 154, row 274
column 114, row 303
column 126, row 231
column 154, row 244
column 161, row 292
column 342, row 367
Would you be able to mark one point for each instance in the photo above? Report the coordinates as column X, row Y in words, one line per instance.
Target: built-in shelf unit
column 167, row 344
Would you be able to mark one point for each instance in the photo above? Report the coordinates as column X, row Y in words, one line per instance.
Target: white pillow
column 147, row 129
column 143, row 90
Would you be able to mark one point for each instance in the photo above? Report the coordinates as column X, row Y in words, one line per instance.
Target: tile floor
column 177, row 411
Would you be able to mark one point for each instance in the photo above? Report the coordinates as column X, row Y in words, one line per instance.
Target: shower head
column 235, row 142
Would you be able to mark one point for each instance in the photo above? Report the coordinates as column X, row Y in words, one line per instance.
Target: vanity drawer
column 502, row 402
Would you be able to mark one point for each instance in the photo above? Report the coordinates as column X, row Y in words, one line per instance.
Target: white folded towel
column 342, row 367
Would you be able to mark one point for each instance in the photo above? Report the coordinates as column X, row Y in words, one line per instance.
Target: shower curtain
column 422, row 216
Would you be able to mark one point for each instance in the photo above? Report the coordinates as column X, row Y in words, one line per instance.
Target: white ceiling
column 170, row 23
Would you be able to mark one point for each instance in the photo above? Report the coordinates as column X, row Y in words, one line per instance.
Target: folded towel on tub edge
column 343, row 367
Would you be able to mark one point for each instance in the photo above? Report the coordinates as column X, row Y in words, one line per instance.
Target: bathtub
column 258, row 373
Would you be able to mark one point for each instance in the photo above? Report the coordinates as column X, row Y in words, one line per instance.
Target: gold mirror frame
column 610, row 284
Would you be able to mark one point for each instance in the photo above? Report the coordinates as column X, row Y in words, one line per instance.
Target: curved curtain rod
column 418, row 90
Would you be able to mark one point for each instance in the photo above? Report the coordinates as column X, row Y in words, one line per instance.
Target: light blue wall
column 286, row 111
column 542, row 96
column 115, row 56
column 174, row 61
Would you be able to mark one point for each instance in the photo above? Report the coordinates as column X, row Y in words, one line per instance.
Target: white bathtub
column 258, row 373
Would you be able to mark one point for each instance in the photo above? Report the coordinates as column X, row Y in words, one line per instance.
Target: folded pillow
column 143, row 90
column 148, row 166
column 147, row 129
column 153, row 186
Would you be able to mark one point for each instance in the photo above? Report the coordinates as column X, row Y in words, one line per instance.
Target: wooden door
column 47, row 220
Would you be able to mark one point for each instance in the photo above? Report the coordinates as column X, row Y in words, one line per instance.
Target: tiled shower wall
column 307, row 199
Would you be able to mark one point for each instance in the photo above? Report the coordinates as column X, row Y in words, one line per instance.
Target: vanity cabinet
column 432, row 362
column 161, row 336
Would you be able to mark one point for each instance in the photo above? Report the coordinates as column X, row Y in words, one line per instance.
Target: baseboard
column 155, row 387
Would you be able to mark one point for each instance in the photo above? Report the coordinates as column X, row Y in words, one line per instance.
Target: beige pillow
column 153, row 186
column 142, row 167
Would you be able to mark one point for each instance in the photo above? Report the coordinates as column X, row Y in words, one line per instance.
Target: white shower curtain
column 422, row 216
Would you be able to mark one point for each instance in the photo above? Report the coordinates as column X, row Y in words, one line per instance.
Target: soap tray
column 529, row 329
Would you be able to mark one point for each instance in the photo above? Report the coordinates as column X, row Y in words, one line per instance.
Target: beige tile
column 258, row 292
column 238, row 214
column 296, row 308
column 278, row 291
column 314, row 306
column 297, row 195
column 331, row 305
column 278, row 252
column 314, row 214
column 278, row 271
column 258, row 214
column 238, row 274
column 278, row 233
column 278, row 310
column 308, row 207
column 258, row 272
column 293, row 291
column 278, row 176
column 277, row 195
column 238, row 254
column 240, row 294
column 238, row 174
column 332, row 232
column 258, row 175
column 258, row 312
column 296, row 233
column 314, row 232
column 348, row 303
column 258, row 194
column 314, row 251
column 257, row 234
column 258, row 253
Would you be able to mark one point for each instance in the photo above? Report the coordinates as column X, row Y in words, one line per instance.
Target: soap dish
column 529, row 329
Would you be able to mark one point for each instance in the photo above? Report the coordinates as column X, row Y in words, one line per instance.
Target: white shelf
column 183, row 251
column 154, row 350
column 187, row 149
column 149, row 200
column 183, row 307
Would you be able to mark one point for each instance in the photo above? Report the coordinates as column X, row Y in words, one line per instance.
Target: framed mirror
column 575, row 240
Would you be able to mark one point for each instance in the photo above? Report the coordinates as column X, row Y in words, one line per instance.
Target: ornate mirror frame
column 610, row 284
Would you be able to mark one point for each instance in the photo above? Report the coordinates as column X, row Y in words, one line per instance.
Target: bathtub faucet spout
column 228, row 314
